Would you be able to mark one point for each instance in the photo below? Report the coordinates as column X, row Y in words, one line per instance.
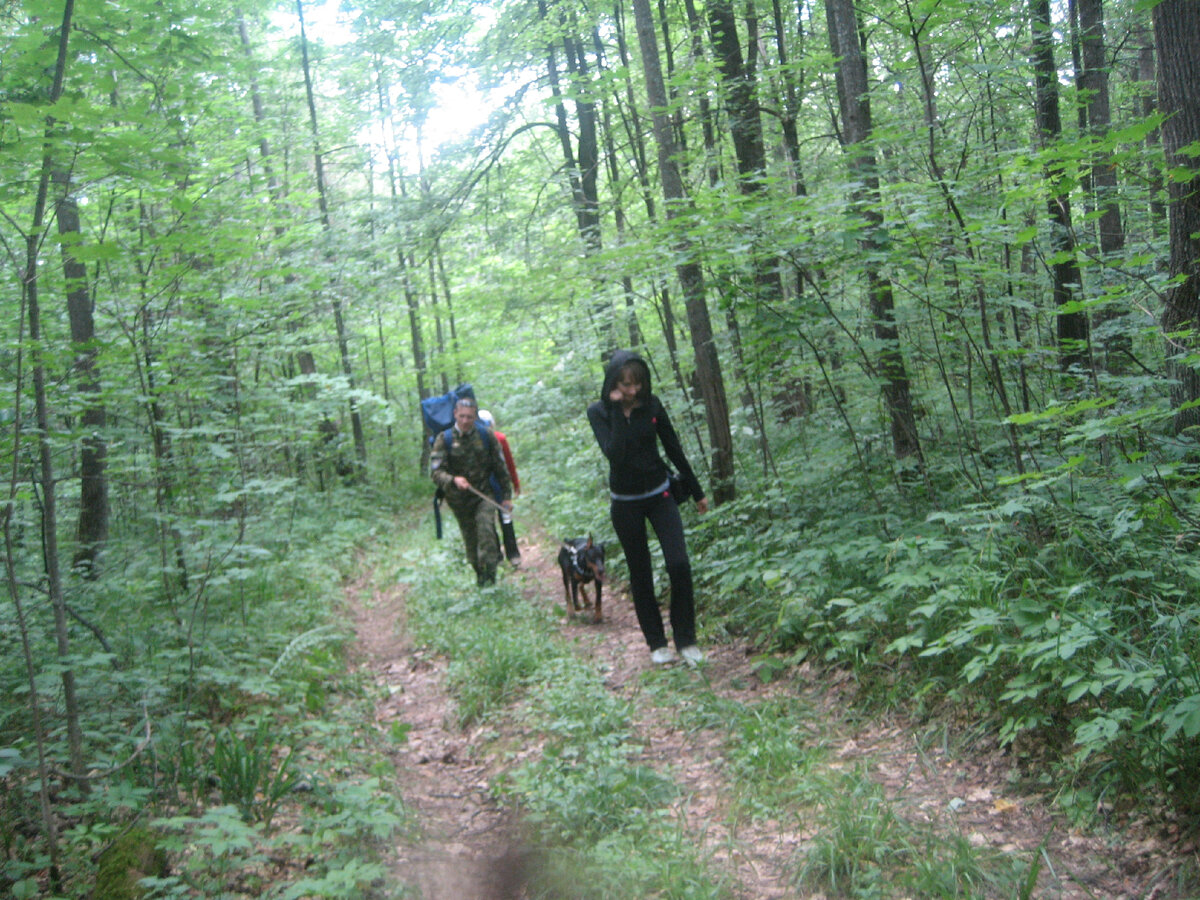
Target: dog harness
column 576, row 554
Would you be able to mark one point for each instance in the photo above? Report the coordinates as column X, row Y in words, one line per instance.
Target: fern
column 322, row 634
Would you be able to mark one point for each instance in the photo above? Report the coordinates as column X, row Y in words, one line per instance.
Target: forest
column 919, row 281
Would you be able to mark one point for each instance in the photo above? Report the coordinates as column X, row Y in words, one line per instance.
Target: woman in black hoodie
column 628, row 422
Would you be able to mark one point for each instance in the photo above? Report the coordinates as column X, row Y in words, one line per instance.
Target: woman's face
column 629, row 383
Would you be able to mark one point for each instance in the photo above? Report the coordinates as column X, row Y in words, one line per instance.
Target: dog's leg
column 568, row 586
column 599, row 589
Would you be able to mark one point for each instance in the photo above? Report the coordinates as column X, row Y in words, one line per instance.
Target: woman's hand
column 461, row 482
column 615, row 395
column 702, row 505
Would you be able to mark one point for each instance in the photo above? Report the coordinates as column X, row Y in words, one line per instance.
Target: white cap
column 486, row 418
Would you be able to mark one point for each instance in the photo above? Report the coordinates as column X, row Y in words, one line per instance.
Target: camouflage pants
column 477, row 522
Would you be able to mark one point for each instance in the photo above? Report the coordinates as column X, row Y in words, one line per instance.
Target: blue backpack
column 438, row 412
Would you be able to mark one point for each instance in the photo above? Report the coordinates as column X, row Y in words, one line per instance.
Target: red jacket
column 508, row 461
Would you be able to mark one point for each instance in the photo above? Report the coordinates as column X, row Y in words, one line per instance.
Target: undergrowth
column 1068, row 629
column 221, row 729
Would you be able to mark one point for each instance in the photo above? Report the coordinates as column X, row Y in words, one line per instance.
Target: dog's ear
column 589, row 543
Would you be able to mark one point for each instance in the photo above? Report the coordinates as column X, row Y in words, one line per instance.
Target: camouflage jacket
column 473, row 457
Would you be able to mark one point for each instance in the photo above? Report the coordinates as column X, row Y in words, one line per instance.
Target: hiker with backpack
column 468, row 467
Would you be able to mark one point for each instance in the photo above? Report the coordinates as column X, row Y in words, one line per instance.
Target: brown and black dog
column 582, row 563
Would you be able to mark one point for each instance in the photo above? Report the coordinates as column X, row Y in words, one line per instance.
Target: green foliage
column 252, row 772
column 227, row 696
column 345, row 882
column 1068, row 625
column 577, row 802
column 1037, row 567
column 490, row 670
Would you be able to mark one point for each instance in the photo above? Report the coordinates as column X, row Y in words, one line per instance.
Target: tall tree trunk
column 745, row 125
column 634, row 131
column 990, row 357
column 412, row 304
column 707, row 125
column 1073, row 348
column 1176, row 37
column 48, row 479
column 708, row 363
column 92, row 531
column 1093, row 82
column 614, row 176
column 304, row 357
column 395, row 187
column 854, row 103
column 582, row 166
column 339, row 322
column 15, row 480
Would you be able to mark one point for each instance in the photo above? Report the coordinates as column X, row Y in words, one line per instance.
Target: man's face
column 464, row 418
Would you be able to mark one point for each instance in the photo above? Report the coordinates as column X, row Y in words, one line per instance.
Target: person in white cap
column 511, row 551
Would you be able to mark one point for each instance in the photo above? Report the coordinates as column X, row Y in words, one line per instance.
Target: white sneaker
column 662, row 656
column 692, row 654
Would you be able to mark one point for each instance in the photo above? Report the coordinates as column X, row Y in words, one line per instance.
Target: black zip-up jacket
column 631, row 444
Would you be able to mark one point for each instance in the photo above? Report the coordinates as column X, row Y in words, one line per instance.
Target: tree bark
column 1073, row 349
column 746, row 131
column 855, row 107
column 691, row 277
column 1176, row 37
column 637, row 144
column 612, row 166
column 92, row 531
column 1094, row 82
column 1102, row 172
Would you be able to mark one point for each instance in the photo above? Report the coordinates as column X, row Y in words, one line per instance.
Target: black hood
column 616, row 362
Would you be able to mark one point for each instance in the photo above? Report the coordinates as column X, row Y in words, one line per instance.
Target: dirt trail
column 469, row 849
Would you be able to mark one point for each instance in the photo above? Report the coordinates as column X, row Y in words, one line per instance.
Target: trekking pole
column 486, row 499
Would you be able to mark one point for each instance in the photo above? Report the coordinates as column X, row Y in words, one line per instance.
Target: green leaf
column 1184, row 717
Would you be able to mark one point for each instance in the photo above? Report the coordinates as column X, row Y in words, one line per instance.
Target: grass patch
column 772, row 748
column 865, row 850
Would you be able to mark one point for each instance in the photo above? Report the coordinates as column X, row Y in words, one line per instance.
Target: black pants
column 629, row 519
column 511, row 551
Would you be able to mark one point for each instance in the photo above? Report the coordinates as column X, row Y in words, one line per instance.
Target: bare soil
column 470, row 849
